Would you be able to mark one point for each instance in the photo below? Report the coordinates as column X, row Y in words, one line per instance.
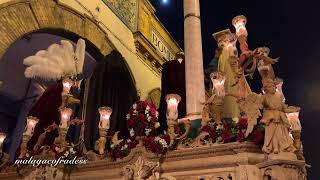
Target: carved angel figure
column 274, row 118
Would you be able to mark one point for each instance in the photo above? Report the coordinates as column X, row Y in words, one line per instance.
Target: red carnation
column 257, row 136
column 212, row 133
column 243, row 123
column 226, row 137
column 241, row 136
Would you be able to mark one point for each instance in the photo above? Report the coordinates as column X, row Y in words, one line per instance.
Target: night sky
column 290, row 28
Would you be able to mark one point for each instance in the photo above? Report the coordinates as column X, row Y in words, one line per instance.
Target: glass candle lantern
column 105, row 113
column 172, row 106
column 2, row 138
column 65, row 117
column 239, row 22
column 218, row 79
column 279, row 83
column 294, row 121
column 67, row 84
column 31, row 123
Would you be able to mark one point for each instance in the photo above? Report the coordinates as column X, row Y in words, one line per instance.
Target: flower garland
column 229, row 131
column 122, row 148
column 158, row 144
column 142, row 119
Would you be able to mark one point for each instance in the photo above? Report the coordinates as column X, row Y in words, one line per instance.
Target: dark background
column 290, row 28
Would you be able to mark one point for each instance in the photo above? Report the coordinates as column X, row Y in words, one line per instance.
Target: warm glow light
column 239, row 22
column 294, row 121
column 67, row 84
column 218, row 79
column 172, row 105
column 31, row 123
column 105, row 113
column 65, row 117
column 2, row 138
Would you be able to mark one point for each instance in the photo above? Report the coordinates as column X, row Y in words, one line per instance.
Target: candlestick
column 172, row 106
column 239, row 22
column 105, row 113
column 65, row 117
column 31, row 123
column 67, row 84
column 2, row 138
column 218, row 79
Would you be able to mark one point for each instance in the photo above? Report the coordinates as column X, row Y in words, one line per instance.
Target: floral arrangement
column 230, row 131
column 158, row 144
column 142, row 119
column 122, row 148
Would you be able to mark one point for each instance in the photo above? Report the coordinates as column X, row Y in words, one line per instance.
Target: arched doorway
column 22, row 19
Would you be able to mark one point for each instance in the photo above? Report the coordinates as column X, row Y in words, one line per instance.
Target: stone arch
column 21, row 17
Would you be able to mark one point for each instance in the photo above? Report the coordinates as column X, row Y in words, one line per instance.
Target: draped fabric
column 46, row 110
column 109, row 85
column 172, row 82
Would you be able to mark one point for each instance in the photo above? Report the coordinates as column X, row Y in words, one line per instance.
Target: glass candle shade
column 65, row 114
column 294, row 121
column 2, row 138
column 67, row 84
column 279, row 83
column 172, row 105
column 239, row 23
column 218, row 79
column 31, row 123
column 105, row 113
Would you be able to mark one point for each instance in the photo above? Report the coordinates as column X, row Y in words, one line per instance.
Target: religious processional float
column 243, row 135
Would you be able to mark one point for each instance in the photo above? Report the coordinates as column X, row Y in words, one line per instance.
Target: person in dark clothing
column 111, row 84
column 172, row 82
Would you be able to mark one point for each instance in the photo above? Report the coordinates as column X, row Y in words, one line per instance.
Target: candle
column 172, row 106
column 31, row 123
column 67, row 84
column 65, row 117
column 239, row 22
column 2, row 138
column 218, row 79
column 105, row 113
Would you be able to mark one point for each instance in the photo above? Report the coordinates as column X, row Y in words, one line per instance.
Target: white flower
column 157, row 125
column 220, row 126
column 128, row 116
column 129, row 140
column 157, row 138
column 149, row 118
column 135, row 111
column 112, row 146
column 157, row 114
column 148, row 108
column 124, row 147
column 66, row 153
column 131, row 132
column 148, row 131
column 120, row 141
column 134, row 106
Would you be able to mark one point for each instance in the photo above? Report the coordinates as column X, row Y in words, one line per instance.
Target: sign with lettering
column 161, row 46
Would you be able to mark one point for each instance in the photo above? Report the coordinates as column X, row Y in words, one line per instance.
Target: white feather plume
column 56, row 62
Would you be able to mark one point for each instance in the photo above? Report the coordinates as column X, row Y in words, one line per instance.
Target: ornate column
column 195, row 92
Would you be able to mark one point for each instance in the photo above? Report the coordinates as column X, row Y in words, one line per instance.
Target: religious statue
column 277, row 140
column 235, row 84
